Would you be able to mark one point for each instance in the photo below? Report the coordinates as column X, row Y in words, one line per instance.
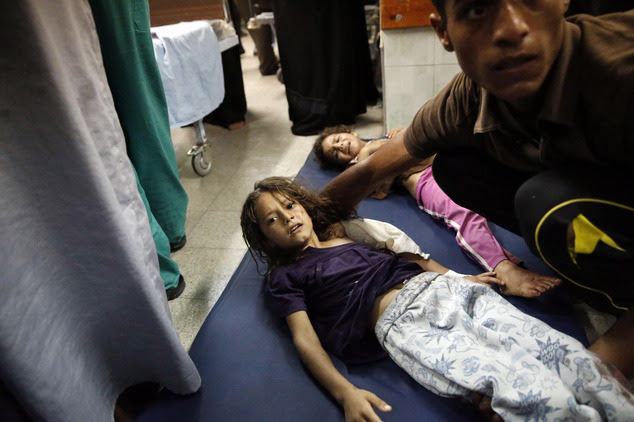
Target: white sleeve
column 381, row 235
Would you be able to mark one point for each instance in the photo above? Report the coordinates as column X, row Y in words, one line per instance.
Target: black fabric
column 477, row 182
column 10, row 409
column 234, row 14
column 520, row 201
column 325, row 61
column 234, row 106
column 547, row 204
column 598, row 7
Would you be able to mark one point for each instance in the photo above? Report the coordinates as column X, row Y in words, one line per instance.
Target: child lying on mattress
column 338, row 147
column 451, row 333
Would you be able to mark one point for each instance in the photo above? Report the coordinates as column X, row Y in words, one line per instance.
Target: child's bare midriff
column 381, row 303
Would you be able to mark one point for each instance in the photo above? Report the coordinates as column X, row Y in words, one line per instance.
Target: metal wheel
column 201, row 162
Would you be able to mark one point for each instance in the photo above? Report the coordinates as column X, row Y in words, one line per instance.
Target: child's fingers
column 378, row 403
column 489, row 277
column 393, row 132
column 486, row 278
column 493, row 280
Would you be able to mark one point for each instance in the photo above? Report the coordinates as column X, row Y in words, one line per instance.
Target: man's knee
column 475, row 181
column 582, row 225
column 563, row 199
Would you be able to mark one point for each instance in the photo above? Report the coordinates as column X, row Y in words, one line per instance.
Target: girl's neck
column 336, row 236
column 336, row 241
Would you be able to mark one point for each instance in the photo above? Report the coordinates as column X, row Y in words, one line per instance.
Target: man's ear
column 441, row 31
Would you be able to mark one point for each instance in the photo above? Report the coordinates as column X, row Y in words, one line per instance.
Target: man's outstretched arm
column 358, row 181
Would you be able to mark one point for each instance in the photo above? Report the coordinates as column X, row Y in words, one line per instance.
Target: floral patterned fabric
column 454, row 336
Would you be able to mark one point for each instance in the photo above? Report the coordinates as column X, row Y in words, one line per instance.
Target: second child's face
column 341, row 148
column 284, row 222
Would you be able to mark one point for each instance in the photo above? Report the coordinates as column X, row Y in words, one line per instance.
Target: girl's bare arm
column 426, row 264
column 433, row 266
column 357, row 403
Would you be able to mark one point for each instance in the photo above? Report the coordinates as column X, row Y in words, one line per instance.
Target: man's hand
column 359, row 406
column 393, row 132
column 485, row 278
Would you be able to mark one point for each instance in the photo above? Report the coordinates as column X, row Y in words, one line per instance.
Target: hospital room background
column 234, row 114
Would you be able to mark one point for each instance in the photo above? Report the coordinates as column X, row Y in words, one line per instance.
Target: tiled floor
column 264, row 147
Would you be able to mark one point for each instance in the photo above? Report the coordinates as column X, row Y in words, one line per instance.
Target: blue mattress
column 251, row 372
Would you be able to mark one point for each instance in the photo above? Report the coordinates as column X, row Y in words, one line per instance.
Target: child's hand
column 359, row 406
column 483, row 403
column 393, row 132
column 485, row 278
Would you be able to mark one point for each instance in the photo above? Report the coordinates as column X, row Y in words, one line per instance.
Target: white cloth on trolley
column 188, row 57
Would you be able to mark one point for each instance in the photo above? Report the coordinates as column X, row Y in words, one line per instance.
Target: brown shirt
column 587, row 114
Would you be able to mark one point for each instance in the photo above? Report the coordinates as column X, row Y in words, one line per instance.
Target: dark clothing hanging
column 233, row 108
column 325, row 60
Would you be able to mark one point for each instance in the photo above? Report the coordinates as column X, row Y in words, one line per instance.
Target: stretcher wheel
column 201, row 161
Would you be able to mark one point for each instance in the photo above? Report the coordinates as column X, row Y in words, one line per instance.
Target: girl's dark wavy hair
column 321, row 210
column 318, row 148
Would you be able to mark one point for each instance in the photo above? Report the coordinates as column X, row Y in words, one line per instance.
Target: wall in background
column 415, row 67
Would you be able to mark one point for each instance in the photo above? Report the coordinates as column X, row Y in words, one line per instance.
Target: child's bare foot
column 522, row 282
column 236, row 125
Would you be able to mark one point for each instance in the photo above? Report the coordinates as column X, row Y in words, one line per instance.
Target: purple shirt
column 337, row 287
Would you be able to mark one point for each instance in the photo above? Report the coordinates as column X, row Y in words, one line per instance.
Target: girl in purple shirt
column 451, row 333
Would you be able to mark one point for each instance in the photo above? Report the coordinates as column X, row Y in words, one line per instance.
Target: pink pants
column 472, row 231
